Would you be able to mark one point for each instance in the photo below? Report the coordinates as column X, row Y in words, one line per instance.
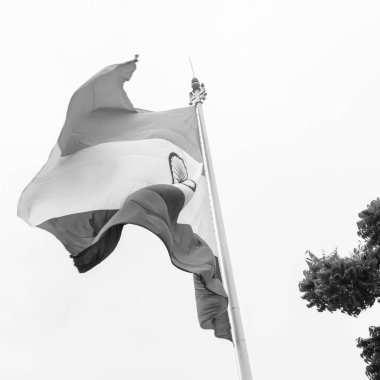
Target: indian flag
column 114, row 164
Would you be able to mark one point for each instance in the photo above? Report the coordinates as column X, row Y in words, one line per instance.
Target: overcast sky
column 293, row 123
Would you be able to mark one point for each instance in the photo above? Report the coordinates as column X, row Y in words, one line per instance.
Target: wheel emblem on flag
column 179, row 171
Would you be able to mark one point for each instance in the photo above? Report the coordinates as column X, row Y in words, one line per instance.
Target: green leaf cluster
column 371, row 352
column 350, row 284
column 369, row 223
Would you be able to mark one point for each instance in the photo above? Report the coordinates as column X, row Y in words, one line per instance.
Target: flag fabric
column 114, row 165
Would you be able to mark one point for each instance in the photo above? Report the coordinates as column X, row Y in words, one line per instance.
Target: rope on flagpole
column 197, row 96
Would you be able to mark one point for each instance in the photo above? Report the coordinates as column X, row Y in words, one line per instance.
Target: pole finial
column 198, row 95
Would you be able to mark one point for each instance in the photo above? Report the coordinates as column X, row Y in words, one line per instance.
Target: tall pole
column 197, row 96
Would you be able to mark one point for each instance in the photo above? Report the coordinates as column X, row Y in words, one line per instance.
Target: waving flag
column 114, row 165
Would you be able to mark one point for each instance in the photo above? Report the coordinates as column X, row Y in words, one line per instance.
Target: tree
column 371, row 352
column 350, row 284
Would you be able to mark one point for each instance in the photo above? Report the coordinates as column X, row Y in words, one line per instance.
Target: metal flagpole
column 197, row 96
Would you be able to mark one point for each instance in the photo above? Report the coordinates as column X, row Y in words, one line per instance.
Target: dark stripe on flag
column 156, row 208
column 78, row 231
column 212, row 308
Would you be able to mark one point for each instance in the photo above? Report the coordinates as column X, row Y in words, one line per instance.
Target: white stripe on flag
column 101, row 177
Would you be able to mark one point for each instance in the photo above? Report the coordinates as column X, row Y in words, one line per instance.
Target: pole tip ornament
column 195, row 84
column 198, row 95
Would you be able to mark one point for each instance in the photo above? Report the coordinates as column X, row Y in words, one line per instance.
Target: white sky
column 293, row 123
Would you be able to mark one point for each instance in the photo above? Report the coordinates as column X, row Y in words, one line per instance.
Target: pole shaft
column 228, row 278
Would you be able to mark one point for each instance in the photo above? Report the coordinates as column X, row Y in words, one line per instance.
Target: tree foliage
column 350, row 284
column 371, row 352
column 369, row 223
